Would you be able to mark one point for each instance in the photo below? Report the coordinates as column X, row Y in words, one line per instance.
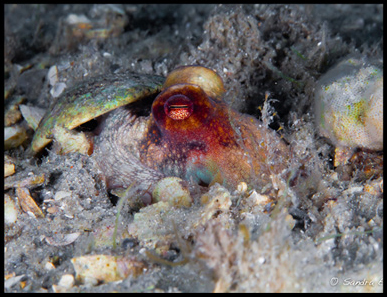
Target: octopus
column 190, row 133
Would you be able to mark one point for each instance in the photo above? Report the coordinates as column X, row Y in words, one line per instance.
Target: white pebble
column 66, row 281
column 61, row 194
column 57, row 89
column 52, row 75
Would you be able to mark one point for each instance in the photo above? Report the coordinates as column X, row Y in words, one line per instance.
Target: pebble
column 52, row 75
column 57, row 89
column 65, row 283
column 9, row 283
column 93, row 269
column 9, row 166
column 27, row 203
column 32, row 115
column 10, row 210
column 61, row 194
column 14, row 136
column 49, row 266
column 62, row 239
column 173, row 191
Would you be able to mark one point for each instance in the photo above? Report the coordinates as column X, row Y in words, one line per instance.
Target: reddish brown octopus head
column 194, row 135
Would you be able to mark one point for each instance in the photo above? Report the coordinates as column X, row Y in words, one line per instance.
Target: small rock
column 242, row 187
column 58, row 89
column 27, row 203
column 217, row 199
column 173, row 191
column 9, row 166
column 92, row 269
column 62, row 239
column 12, row 116
column 71, row 141
column 9, row 283
column 10, row 210
column 52, row 75
column 49, row 266
column 32, row 115
column 61, row 194
column 52, row 209
column 73, row 19
column 14, row 136
column 30, row 181
column 65, row 283
column 255, row 199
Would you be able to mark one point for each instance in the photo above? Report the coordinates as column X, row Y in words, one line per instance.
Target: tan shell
column 204, row 77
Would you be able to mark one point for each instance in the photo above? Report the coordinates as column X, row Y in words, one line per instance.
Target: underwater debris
column 349, row 104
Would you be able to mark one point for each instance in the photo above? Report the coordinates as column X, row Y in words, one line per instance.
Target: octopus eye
column 178, row 107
